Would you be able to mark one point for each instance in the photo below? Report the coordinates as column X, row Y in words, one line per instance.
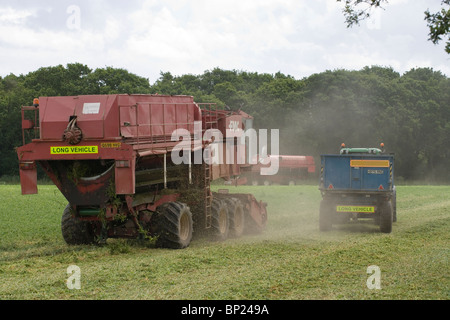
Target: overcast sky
column 295, row 37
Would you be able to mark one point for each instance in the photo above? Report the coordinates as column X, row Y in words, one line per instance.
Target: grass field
column 291, row 259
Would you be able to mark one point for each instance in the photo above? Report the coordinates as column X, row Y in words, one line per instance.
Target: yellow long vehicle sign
column 74, row 150
column 366, row 209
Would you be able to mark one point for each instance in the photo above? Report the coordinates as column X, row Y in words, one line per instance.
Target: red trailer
column 112, row 157
column 291, row 170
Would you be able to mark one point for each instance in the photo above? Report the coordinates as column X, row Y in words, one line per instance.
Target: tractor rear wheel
column 394, row 206
column 386, row 217
column 75, row 231
column 173, row 225
column 236, row 216
column 219, row 223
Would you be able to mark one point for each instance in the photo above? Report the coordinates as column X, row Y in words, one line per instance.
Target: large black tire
column 325, row 215
column 386, row 217
column 75, row 231
column 236, row 217
column 394, row 206
column 220, row 223
column 173, row 225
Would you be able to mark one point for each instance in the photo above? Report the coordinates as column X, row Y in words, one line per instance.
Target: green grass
column 291, row 259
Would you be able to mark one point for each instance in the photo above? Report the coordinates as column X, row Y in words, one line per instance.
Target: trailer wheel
column 325, row 215
column 394, row 206
column 173, row 225
column 386, row 217
column 219, row 223
column 75, row 231
column 236, row 217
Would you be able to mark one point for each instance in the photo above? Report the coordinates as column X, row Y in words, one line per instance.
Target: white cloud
column 148, row 36
column 14, row 17
column 26, row 49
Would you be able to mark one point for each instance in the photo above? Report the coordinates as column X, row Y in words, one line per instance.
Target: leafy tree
column 227, row 92
column 426, row 99
column 438, row 23
column 111, row 80
column 353, row 15
column 410, row 113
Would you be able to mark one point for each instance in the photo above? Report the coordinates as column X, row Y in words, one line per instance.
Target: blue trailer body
column 357, row 185
column 351, row 172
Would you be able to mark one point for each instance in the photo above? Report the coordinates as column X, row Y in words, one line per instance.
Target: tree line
column 409, row 113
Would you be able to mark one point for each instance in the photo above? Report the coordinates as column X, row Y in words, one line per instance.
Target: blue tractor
column 357, row 183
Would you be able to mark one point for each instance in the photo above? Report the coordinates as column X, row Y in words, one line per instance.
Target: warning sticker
column 74, row 150
column 91, row 107
column 111, row 144
column 355, row 209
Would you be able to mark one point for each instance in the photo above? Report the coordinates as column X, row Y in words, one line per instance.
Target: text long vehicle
column 74, row 150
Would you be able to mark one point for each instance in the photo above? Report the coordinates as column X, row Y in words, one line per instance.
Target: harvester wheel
column 173, row 225
column 219, row 223
column 386, row 217
column 236, row 216
column 75, row 231
column 325, row 215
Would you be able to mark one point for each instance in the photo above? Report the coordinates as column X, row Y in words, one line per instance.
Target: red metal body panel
column 115, row 127
column 42, row 151
column 156, row 116
column 98, row 116
column 28, row 177
column 124, row 127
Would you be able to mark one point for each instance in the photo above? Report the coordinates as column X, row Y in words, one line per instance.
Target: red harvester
column 112, row 157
